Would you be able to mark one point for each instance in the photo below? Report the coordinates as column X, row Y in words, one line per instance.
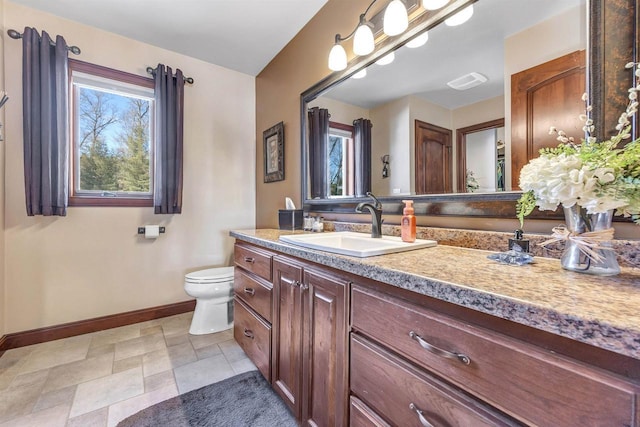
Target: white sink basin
column 355, row 244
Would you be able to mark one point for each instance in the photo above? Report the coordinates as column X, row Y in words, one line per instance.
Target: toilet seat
column 211, row 275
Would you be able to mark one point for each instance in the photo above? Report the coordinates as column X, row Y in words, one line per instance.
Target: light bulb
column 360, row 74
column 337, row 58
column 363, row 43
column 461, row 17
column 418, row 41
column 396, row 19
column 433, row 4
column 387, row 59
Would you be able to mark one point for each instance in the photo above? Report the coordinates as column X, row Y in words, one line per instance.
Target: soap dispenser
column 518, row 243
column 408, row 224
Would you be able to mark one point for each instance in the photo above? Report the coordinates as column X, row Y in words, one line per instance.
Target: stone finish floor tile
column 105, row 391
column 52, row 417
column 203, row 372
column 97, row 379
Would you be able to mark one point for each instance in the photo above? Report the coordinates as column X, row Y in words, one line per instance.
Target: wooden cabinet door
column 286, row 371
column 325, row 380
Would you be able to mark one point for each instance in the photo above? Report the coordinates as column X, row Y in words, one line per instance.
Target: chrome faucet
column 376, row 215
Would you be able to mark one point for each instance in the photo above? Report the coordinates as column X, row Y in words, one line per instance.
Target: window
column 112, row 116
column 340, row 155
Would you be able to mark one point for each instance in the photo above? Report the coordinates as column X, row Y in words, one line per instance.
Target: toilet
column 213, row 291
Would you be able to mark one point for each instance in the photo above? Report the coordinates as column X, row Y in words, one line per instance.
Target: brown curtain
column 362, row 149
column 318, row 145
column 45, row 91
column 169, row 92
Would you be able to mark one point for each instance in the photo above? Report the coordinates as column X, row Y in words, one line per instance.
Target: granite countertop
column 601, row 311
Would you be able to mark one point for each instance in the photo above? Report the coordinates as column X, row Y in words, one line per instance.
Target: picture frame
column 273, row 139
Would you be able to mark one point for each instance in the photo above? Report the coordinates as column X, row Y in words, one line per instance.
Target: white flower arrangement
column 597, row 176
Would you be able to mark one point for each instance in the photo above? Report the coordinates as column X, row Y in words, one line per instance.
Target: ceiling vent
column 467, row 81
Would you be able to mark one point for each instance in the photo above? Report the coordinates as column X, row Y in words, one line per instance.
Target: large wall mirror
column 445, row 122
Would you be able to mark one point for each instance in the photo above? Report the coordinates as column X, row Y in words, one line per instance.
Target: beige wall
column 302, row 63
column 92, row 263
column 2, row 179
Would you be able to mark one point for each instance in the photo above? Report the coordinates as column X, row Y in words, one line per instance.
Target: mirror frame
column 610, row 45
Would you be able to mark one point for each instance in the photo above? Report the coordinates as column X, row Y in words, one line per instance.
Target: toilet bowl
column 213, row 291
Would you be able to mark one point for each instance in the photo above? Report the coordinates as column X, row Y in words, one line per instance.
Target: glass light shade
column 418, row 41
column 387, row 59
column 461, row 17
column 360, row 74
column 337, row 58
column 396, row 19
column 434, row 4
column 363, row 43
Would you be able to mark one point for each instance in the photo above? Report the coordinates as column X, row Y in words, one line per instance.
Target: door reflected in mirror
column 412, row 109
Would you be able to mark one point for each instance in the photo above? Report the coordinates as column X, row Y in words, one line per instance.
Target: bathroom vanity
column 437, row 336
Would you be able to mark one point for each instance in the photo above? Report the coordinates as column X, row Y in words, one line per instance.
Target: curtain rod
column 16, row 35
column 186, row 79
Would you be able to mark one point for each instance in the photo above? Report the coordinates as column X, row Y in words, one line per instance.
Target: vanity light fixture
column 434, row 4
column 387, row 59
column 363, row 43
column 360, row 74
column 396, row 18
column 418, row 41
column 461, row 17
column 337, row 56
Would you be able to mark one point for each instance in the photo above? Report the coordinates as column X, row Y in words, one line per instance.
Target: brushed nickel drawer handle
column 438, row 351
column 248, row 333
column 249, row 259
column 421, row 417
column 289, row 281
column 250, row 291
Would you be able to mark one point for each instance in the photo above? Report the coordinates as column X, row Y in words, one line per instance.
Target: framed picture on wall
column 274, row 153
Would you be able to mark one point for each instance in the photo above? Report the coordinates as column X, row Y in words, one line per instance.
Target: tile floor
column 98, row 379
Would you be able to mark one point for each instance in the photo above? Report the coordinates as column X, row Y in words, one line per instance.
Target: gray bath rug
column 244, row 400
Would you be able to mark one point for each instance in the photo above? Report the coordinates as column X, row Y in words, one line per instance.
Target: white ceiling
column 451, row 52
column 243, row 35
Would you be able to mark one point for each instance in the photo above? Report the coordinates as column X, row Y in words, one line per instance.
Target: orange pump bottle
column 408, row 224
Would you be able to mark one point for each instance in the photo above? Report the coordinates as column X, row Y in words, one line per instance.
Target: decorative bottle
column 408, row 224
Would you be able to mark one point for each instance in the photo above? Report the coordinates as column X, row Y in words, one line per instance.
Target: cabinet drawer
column 254, row 336
column 363, row 416
column 253, row 259
column 523, row 380
column 399, row 391
column 254, row 291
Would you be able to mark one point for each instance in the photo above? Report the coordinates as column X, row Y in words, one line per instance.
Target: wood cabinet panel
column 407, row 397
column 256, row 293
column 360, row 415
column 254, row 336
column 253, row 259
column 535, row 386
column 325, row 378
column 287, row 333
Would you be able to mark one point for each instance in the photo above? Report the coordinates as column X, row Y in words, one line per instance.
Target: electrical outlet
column 140, row 230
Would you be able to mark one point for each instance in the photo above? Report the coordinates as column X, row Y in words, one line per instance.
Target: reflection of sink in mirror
column 355, row 244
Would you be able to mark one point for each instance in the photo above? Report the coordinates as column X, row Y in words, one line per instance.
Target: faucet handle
column 378, row 205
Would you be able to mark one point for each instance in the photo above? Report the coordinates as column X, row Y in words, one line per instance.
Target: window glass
column 340, row 155
column 112, row 136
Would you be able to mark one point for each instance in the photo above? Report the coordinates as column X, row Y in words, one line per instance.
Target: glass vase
column 578, row 222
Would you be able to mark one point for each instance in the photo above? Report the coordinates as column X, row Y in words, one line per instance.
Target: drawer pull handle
column 250, row 291
column 248, row 333
column 289, row 281
column 438, row 351
column 421, row 417
column 249, row 259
